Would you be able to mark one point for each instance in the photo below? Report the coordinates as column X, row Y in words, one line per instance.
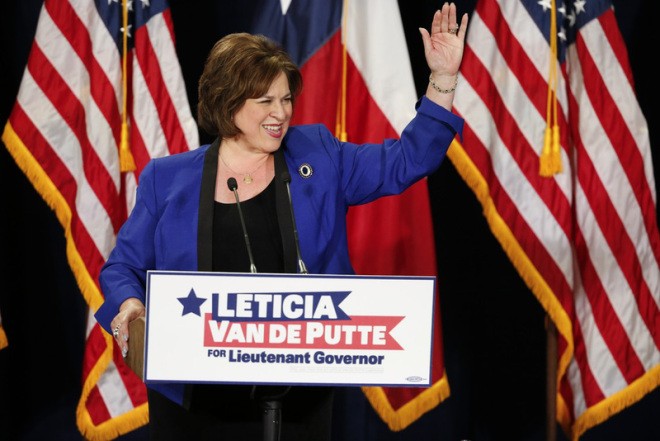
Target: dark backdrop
column 493, row 328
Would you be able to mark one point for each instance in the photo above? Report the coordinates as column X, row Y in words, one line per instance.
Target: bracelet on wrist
column 440, row 90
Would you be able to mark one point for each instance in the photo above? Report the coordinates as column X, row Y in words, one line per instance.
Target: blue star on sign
column 191, row 303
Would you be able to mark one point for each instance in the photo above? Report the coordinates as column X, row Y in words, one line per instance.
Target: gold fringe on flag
column 399, row 419
column 126, row 161
column 41, row 181
column 550, row 160
column 3, row 338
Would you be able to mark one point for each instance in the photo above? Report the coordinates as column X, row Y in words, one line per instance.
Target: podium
column 135, row 356
column 284, row 329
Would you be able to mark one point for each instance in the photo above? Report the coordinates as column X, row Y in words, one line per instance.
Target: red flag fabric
column 346, row 52
column 393, row 235
column 65, row 133
column 557, row 151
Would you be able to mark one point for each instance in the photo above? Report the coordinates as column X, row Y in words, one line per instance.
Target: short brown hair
column 240, row 66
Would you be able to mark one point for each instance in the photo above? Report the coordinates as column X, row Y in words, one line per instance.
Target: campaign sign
column 289, row 329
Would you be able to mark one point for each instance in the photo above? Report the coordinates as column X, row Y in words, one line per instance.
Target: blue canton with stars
column 571, row 16
column 139, row 13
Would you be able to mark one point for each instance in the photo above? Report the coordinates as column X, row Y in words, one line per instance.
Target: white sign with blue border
column 294, row 329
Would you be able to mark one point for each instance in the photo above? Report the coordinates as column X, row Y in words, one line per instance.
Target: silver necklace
column 247, row 177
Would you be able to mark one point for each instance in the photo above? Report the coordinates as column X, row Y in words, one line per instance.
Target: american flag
column 65, row 132
column 582, row 232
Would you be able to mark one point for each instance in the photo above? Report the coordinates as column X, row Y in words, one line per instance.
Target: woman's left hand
column 443, row 46
column 131, row 309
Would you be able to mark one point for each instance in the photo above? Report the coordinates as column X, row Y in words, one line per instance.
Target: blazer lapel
column 205, row 211
column 284, row 214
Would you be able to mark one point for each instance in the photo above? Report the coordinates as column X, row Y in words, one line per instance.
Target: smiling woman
column 251, row 115
column 493, row 331
column 247, row 93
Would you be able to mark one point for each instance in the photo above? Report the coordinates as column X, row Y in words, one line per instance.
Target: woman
column 185, row 217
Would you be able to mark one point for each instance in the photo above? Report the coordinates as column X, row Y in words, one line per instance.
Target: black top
column 234, row 412
column 260, row 216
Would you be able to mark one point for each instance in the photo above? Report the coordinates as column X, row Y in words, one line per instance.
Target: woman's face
column 264, row 121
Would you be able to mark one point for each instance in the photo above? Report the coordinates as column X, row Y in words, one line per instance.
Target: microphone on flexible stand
column 233, row 186
column 271, row 405
column 286, row 177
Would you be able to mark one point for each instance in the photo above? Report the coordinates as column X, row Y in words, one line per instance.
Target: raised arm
column 443, row 48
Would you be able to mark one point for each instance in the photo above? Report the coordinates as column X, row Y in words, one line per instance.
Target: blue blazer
column 170, row 227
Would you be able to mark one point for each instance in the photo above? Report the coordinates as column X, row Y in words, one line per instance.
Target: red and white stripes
column 586, row 239
column 64, row 133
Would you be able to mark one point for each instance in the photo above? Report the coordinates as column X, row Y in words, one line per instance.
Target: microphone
column 233, row 186
column 286, row 177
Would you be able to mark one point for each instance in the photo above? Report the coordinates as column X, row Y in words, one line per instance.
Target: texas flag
column 359, row 83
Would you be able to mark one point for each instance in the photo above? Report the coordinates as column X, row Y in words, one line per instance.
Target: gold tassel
column 126, row 161
column 550, row 158
column 556, row 150
column 338, row 128
column 545, row 161
column 340, row 131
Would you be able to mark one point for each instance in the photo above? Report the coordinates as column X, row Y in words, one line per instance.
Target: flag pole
column 551, row 379
column 126, row 161
column 550, row 164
